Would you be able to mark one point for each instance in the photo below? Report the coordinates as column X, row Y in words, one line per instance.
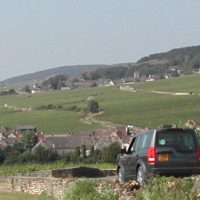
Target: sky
column 42, row 34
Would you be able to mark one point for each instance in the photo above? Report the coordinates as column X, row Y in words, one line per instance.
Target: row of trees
column 56, row 82
column 186, row 59
column 8, row 92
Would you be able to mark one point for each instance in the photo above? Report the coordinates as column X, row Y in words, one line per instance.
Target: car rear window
column 181, row 140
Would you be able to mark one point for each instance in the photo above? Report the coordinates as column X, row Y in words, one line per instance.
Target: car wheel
column 120, row 176
column 140, row 178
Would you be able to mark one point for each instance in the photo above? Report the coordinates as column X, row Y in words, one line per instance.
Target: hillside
column 143, row 108
column 71, row 71
column 185, row 59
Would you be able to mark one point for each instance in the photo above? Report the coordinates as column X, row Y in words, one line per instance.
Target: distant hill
column 71, row 71
column 185, row 59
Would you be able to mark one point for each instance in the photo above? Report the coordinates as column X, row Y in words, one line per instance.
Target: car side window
column 145, row 141
column 134, row 145
column 137, row 143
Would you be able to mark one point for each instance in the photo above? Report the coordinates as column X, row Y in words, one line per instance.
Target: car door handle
column 164, row 151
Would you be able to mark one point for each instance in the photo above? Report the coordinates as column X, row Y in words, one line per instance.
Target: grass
column 33, row 167
column 189, row 83
column 141, row 109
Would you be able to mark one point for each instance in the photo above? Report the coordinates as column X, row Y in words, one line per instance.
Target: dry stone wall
column 35, row 185
column 53, row 182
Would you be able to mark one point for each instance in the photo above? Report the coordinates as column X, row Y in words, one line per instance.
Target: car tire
column 140, row 177
column 120, row 176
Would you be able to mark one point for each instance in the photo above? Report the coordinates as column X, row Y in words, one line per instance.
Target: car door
column 176, row 149
column 130, row 158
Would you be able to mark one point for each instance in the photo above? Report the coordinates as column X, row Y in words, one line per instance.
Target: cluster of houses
column 64, row 143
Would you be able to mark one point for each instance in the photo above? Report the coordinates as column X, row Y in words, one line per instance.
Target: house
column 24, row 128
column 9, row 137
column 36, row 90
column 109, row 83
column 104, row 142
column 63, row 144
column 3, row 144
column 65, row 88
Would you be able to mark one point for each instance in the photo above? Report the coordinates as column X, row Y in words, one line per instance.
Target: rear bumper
column 175, row 171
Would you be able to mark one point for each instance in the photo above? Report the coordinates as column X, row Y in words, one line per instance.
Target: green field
column 190, row 83
column 141, row 109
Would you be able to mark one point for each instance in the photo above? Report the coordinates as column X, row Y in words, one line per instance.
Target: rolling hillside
column 186, row 59
column 71, row 71
column 143, row 108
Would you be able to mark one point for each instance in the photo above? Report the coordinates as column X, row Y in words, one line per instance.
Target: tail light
column 198, row 154
column 151, row 155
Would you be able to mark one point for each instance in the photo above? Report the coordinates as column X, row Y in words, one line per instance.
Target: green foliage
column 94, row 157
column 186, row 59
column 45, row 155
column 93, row 106
column 29, row 140
column 25, row 157
column 110, row 153
column 9, row 92
column 108, row 73
column 2, row 156
column 74, row 109
column 55, row 82
column 27, row 89
column 50, row 107
column 167, row 188
column 85, row 190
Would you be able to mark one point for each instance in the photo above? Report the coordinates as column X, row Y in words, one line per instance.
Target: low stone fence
column 35, row 185
column 53, row 182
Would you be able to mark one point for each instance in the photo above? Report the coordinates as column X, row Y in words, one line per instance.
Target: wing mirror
column 123, row 151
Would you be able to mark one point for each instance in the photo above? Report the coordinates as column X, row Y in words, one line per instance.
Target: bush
column 93, row 106
column 45, row 155
column 86, row 190
column 110, row 154
column 26, row 157
column 167, row 188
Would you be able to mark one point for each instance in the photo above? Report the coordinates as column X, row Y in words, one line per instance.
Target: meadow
column 141, row 109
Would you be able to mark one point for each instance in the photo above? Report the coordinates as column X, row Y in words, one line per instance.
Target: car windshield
column 181, row 140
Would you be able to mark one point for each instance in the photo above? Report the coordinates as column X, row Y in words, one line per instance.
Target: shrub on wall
column 87, row 190
column 167, row 188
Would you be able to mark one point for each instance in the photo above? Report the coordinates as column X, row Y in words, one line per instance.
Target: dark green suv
column 166, row 151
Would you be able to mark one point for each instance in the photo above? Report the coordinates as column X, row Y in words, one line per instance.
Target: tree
column 93, row 106
column 2, row 156
column 45, row 155
column 110, row 154
column 27, row 89
column 29, row 140
column 56, row 82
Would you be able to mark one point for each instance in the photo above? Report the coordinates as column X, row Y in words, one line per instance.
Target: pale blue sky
column 42, row 34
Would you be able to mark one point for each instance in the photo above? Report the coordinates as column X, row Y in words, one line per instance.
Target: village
column 65, row 143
